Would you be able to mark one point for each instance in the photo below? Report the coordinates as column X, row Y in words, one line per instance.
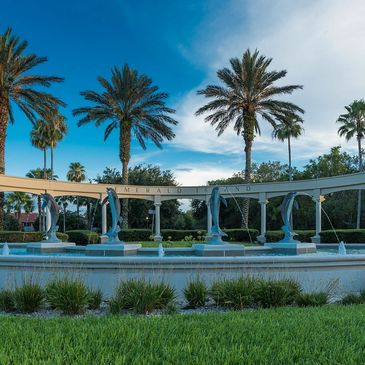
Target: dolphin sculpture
column 114, row 204
column 214, row 204
column 286, row 208
column 52, row 213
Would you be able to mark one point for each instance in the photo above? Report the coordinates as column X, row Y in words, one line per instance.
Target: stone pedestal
column 224, row 249
column 112, row 249
column 292, row 248
column 48, row 247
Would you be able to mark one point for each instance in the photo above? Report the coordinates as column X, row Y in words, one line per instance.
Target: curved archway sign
column 316, row 188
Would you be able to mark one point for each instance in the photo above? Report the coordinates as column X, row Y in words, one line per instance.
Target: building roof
column 26, row 217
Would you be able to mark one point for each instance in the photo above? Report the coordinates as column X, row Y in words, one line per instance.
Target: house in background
column 26, row 221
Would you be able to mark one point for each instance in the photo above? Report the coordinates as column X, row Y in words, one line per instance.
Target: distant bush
column 132, row 235
column 240, row 235
column 312, row 299
column 141, row 296
column 7, row 301
column 196, row 293
column 11, row 223
column 301, row 235
column 19, row 237
column 276, row 293
column 346, row 235
column 234, row 293
column 83, row 237
column 71, row 296
column 29, row 297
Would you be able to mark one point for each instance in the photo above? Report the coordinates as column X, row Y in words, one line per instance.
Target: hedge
column 241, row 235
column 346, row 235
column 83, row 237
column 130, row 235
column 17, row 236
column 302, row 235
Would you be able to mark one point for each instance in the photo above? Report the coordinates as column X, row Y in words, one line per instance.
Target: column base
column 316, row 239
column 261, row 238
column 157, row 238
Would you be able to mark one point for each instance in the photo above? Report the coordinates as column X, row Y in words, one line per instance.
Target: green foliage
column 234, row 293
column 302, row 235
column 132, row 235
column 95, row 298
column 352, row 298
column 141, row 296
column 346, row 235
column 312, row 299
column 83, row 237
column 29, row 297
column 71, row 296
column 196, row 293
column 18, row 237
column 276, row 293
column 11, row 223
column 7, row 301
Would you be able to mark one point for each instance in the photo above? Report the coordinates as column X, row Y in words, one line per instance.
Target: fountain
column 342, row 248
column 113, row 246
column 288, row 244
column 5, row 251
column 161, row 251
column 50, row 243
column 216, row 246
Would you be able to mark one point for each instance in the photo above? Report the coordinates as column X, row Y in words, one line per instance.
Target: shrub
column 352, row 299
column 234, row 293
column 140, row 296
column 7, row 301
column 83, row 237
column 28, row 298
column 129, row 235
column 241, row 235
column 276, row 293
column 301, row 235
column 346, row 235
column 71, row 296
column 196, row 293
column 18, row 237
column 312, row 299
column 95, row 298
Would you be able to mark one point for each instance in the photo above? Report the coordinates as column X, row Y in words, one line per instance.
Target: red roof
column 26, row 217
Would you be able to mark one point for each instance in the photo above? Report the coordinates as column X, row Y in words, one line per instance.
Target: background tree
column 76, row 173
column 353, row 124
column 19, row 87
column 133, row 105
column 38, row 138
column 285, row 131
column 248, row 91
column 17, row 201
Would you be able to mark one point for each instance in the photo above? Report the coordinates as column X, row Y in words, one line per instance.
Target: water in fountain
column 6, row 251
column 342, row 248
column 243, row 217
column 161, row 251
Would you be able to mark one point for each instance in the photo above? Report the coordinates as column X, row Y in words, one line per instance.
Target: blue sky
column 180, row 45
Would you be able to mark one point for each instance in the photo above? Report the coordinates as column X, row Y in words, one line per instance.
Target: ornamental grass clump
column 352, row 299
column 95, row 298
column 29, row 297
column 141, row 296
column 316, row 299
column 71, row 296
column 276, row 293
column 196, row 293
column 234, row 293
column 7, row 301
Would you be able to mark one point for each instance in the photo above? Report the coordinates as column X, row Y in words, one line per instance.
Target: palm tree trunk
column 4, row 115
column 51, row 162
column 44, row 163
column 358, row 216
column 290, row 168
column 124, row 154
column 77, row 210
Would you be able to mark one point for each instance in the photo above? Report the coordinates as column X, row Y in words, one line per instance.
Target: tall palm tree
column 247, row 91
column 285, row 131
column 129, row 102
column 19, row 200
column 39, row 174
column 353, row 125
column 38, row 137
column 76, row 173
column 19, row 87
column 55, row 131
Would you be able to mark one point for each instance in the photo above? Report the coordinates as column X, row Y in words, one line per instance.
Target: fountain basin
column 48, row 247
column 293, row 248
column 112, row 249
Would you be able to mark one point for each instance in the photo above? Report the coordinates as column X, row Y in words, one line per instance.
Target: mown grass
column 327, row 335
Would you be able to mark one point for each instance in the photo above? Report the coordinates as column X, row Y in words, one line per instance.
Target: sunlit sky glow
column 180, row 45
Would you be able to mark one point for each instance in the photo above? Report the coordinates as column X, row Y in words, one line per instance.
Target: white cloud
column 320, row 43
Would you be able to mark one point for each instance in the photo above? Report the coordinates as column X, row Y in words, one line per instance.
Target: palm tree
column 76, row 173
column 19, row 200
column 130, row 103
column 19, row 87
column 353, row 124
column 291, row 129
column 39, row 140
column 40, row 174
column 247, row 92
column 55, row 131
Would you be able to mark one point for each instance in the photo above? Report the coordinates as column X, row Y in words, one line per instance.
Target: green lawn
column 328, row 335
